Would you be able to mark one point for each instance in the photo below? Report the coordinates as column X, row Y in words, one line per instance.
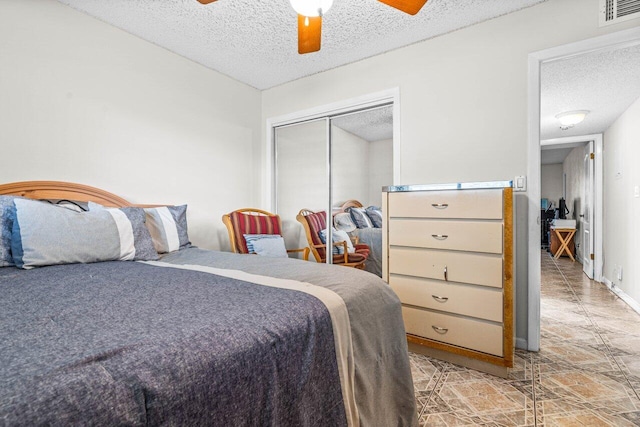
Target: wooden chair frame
column 314, row 247
column 226, row 219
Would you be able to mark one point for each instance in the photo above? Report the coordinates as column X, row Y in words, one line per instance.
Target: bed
column 196, row 337
column 370, row 236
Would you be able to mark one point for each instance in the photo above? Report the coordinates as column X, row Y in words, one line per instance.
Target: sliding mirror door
column 361, row 164
column 301, row 175
column 323, row 163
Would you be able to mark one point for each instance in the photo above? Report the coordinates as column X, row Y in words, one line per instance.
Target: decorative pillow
column 46, row 234
column 360, row 217
column 251, row 238
column 6, row 224
column 145, row 249
column 338, row 236
column 168, row 228
column 269, row 245
column 343, row 222
column 375, row 215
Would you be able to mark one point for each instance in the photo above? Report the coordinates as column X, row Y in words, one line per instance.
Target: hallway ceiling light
column 571, row 118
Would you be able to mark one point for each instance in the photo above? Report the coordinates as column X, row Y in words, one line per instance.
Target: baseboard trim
column 622, row 295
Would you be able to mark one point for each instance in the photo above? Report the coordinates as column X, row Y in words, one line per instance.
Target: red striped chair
column 253, row 221
column 313, row 223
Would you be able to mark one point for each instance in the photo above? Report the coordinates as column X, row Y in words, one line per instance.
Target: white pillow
column 272, row 247
column 343, row 222
column 338, row 236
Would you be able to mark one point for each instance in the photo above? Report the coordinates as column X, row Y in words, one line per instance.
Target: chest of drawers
column 448, row 255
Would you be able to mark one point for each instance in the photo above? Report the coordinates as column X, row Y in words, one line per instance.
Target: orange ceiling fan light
column 407, row 6
column 309, row 33
column 310, row 27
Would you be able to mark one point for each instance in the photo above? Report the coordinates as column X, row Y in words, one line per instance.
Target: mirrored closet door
column 324, row 163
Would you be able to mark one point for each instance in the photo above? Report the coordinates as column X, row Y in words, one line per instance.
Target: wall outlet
column 636, row 191
column 619, row 273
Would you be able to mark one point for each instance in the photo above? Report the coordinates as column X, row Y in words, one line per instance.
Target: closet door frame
column 364, row 102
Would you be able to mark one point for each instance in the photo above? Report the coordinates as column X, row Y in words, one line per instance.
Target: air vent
column 614, row 11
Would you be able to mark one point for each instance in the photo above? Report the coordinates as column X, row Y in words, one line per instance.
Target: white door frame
column 598, row 192
column 611, row 41
column 341, row 107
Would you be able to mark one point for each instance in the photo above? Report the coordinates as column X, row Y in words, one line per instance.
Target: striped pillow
column 168, row 228
column 375, row 215
column 252, row 224
column 360, row 217
column 6, row 224
column 45, row 234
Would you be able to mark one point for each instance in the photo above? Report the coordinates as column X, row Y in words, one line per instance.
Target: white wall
column 380, row 169
column 85, row 102
column 622, row 223
column 573, row 168
column 349, row 167
column 551, row 183
column 463, row 101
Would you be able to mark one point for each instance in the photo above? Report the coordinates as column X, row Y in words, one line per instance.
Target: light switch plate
column 520, row 183
column 636, row 191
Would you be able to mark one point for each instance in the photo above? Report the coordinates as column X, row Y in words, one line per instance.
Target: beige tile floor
column 587, row 372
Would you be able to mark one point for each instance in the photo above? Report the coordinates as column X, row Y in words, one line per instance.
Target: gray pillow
column 375, row 215
column 6, row 225
column 168, row 228
column 360, row 217
column 46, row 234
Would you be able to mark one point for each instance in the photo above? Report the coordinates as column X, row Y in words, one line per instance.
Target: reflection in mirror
column 361, row 164
column 302, row 179
column 362, row 155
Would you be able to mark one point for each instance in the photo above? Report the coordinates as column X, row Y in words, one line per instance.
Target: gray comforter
column 122, row 343
column 371, row 237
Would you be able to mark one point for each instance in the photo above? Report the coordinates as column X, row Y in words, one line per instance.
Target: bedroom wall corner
column 83, row 101
column 622, row 190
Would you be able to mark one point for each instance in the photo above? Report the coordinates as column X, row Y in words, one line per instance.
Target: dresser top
column 453, row 186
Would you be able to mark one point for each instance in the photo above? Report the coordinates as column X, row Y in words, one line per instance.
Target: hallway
column 587, row 372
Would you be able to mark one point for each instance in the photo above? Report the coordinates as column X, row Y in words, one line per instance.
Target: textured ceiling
column 604, row 82
column 255, row 41
column 370, row 125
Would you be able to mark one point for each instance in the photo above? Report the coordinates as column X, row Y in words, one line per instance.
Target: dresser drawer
column 474, row 236
column 468, row 333
column 480, row 204
column 477, row 269
column 480, row 302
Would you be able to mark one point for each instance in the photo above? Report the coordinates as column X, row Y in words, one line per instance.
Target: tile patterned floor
column 587, row 372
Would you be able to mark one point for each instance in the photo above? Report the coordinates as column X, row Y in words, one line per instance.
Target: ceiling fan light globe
column 311, row 8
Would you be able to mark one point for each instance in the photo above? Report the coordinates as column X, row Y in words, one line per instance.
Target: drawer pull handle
column 446, row 274
column 440, row 236
column 440, row 205
column 440, row 330
column 440, row 299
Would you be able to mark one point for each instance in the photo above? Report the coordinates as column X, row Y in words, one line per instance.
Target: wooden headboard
column 63, row 190
column 350, row 204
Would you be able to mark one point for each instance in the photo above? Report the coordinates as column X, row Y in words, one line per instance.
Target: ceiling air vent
column 614, row 11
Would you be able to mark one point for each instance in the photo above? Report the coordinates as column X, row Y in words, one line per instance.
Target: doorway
column 607, row 43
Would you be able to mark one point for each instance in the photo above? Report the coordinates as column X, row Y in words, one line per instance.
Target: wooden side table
column 564, row 237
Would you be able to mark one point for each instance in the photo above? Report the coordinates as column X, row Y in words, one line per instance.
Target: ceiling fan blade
column 309, row 34
column 206, row 1
column 407, row 6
